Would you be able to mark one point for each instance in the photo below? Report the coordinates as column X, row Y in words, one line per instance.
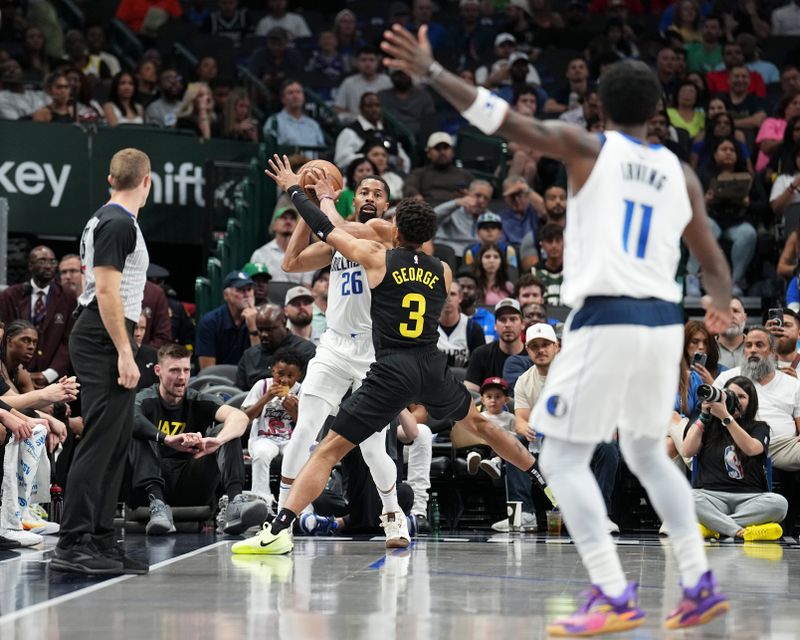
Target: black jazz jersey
column 406, row 304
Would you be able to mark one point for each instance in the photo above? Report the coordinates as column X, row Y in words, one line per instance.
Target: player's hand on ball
column 323, row 187
column 281, row 172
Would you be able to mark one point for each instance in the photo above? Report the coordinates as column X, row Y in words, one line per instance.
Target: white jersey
column 625, row 225
column 349, row 297
column 455, row 345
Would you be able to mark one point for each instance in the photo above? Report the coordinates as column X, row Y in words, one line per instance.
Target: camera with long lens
column 709, row 393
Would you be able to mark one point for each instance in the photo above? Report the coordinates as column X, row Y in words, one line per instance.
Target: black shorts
column 395, row 380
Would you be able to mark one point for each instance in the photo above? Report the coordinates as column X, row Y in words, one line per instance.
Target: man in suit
column 49, row 307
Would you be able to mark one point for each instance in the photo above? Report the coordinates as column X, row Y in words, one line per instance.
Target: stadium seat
column 227, row 371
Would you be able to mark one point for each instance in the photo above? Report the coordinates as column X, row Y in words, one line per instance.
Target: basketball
column 330, row 170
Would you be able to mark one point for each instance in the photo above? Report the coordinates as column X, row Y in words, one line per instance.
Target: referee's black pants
column 94, row 479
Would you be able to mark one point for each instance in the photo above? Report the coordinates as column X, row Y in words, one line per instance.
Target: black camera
column 712, row 394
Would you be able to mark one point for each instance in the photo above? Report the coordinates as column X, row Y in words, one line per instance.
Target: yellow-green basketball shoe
column 265, row 543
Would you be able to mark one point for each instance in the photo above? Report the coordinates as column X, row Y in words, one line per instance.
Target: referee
column 114, row 259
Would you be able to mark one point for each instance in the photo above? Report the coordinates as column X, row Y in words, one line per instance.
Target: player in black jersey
column 409, row 288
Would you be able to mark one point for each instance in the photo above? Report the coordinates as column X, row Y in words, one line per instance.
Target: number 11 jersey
column 624, row 227
column 406, row 304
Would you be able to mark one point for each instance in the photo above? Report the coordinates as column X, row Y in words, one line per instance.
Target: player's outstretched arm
column 489, row 113
column 299, row 256
column 703, row 245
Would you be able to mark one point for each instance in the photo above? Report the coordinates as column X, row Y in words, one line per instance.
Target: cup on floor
column 554, row 522
column 514, row 512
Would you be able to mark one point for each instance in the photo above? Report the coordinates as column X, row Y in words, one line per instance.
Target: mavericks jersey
column 349, row 297
column 406, row 304
column 625, row 226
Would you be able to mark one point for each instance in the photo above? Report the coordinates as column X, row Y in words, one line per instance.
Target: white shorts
column 340, row 364
column 610, row 376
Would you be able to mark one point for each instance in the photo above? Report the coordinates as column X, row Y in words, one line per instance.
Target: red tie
column 38, row 311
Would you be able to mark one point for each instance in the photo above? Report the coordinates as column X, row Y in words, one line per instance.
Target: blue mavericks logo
column 556, row 406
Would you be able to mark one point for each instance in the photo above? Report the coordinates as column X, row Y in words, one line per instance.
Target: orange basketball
column 330, row 170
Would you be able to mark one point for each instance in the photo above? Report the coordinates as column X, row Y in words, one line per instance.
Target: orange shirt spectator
column 133, row 12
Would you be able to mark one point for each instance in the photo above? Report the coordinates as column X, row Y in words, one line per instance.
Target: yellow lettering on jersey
column 415, row 274
column 171, row 428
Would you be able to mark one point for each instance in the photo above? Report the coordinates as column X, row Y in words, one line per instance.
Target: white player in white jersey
column 345, row 352
column 630, row 205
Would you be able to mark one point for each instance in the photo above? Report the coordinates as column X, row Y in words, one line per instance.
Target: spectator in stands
column 196, row 12
column 147, row 82
column 622, row 39
column 163, row 111
column 123, row 106
column 457, row 218
column 730, row 448
column 358, row 169
column 489, row 232
column 77, row 54
column 529, row 289
column 784, row 193
column 440, row 180
column 377, row 153
column 96, row 46
column 260, row 275
column 687, row 114
column 551, row 270
column 146, row 357
column 284, row 220
column 294, row 24
column 499, row 72
column 469, row 294
column 179, row 452
column 196, row 111
column 298, row 308
column 35, row 61
column 319, row 287
column 686, row 21
column 783, row 157
column 49, row 307
column 273, row 336
column 327, row 60
column 207, row 70
column 658, row 133
column 786, row 335
column 276, row 61
column 731, row 341
column 238, row 122
column 369, row 79
column 752, row 57
column 568, row 96
column 224, row 333
column 291, row 126
column 665, row 70
column 229, row 21
column 16, row 100
column 525, row 160
column 494, row 397
column 520, row 217
column 706, row 55
column 732, row 57
column 61, row 109
column 728, row 217
column 409, row 104
column 778, row 396
column 459, row 335
column 491, row 272
column 347, row 35
column 182, row 326
column 786, row 20
column 136, row 13
column 718, row 127
column 487, row 361
column 271, row 406
column 587, row 109
column 770, row 134
column 70, row 274
column 471, row 40
column 422, row 14
column 790, row 78
column 697, row 339
column 370, row 127
column 157, row 311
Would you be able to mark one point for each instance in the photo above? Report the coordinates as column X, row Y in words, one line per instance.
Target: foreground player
column 345, row 350
column 408, row 291
column 629, row 205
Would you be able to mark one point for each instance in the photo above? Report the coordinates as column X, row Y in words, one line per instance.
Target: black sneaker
column 8, row 543
column 423, row 526
column 85, row 558
column 129, row 563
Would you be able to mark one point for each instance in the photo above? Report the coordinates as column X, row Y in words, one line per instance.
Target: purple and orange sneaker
column 601, row 614
column 699, row 605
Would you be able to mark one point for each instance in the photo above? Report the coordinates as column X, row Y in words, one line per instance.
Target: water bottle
column 535, row 445
column 435, row 518
column 56, row 503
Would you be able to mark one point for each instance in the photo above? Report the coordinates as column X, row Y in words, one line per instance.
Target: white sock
column 389, row 500
column 604, row 567
column 382, row 468
column 283, row 493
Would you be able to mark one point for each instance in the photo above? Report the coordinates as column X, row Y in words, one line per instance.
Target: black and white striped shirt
column 112, row 238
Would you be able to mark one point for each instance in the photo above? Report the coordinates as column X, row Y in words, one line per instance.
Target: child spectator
column 489, row 231
column 272, row 407
column 494, row 396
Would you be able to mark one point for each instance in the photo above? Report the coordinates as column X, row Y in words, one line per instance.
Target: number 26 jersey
column 348, row 297
column 406, row 304
column 624, row 227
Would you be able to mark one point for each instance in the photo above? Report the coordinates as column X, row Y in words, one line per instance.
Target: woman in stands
column 770, row 134
column 379, row 156
column 61, row 107
column 35, row 60
column 686, row 21
column 89, row 110
column 731, row 494
column 196, row 111
column 687, row 114
column 718, row 125
column 237, row 117
column 358, row 169
column 785, row 188
column 491, row 273
column 123, row 106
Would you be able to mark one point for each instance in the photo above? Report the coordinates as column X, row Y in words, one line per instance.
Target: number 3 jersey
column 406, row 304
column 624, row 226
column 348, row 297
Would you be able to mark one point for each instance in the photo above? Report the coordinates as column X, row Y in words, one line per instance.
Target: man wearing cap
column 520, row 218
column 457, row 219
column 490, row 231
column 298, row 307
column 459, row 335
column 224, row 333
column 487, row 361
column 505, row 44
column 260, row 275
column 440, row 180
column 272, row 336
column 284, row 220
column 408, row 103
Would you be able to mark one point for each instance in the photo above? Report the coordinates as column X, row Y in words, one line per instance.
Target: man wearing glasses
column 49, row 306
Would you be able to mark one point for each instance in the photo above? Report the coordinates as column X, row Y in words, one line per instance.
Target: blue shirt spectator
column 290, row 126
column 519, row 218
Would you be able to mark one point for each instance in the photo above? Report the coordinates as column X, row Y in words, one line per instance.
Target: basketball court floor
column 458, row 588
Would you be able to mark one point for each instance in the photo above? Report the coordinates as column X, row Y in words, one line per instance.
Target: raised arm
column 300, row 256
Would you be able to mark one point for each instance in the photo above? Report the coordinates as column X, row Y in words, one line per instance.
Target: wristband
column 325, row 197
column 487, row 112
column 434, row 71
column 253, row 333
column 311, row 213
column 161, row 437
